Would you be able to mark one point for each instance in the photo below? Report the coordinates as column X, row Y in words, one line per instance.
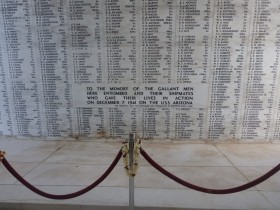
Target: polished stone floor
column 66, row 166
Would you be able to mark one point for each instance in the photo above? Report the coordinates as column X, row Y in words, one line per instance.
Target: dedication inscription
column 177, row 69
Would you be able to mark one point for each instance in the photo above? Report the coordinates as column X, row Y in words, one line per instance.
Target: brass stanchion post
column 131, row 165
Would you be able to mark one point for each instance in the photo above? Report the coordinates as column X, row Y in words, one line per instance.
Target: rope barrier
column 66, row 196
column 124, row 153
column 207, row 190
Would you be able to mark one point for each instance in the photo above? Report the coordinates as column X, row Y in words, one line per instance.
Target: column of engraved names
column 90, row 122
column 189, row 123
column 20, row 70
column 241, row 65
column 155, row 122
column 53, row 67
column 230, row 28
column 85, row 27
column 276, row 128
column 157, row 39
column 271, row 62
column 157, row 27
column 120, row 40
column 193, row 41
column 85, row 24
column 5, row 113
column 121, row 121
column 260, row 84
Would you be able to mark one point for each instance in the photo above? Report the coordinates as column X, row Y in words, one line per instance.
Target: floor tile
column 252, row 154
column 169, row 154
column 148, row 177
column 190, row 199
column 273, row 197
column 86, row 153
column 65, row 167
column 105, row 196
column 273, row 183
column 29, row 150
column 21, row 168
column 208, row 177
column 76, row 174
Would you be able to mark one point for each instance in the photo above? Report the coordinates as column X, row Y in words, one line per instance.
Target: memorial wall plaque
column 165, row 69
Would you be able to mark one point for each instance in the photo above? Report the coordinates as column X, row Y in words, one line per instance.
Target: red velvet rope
column 67, row 196
column 207, row 190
